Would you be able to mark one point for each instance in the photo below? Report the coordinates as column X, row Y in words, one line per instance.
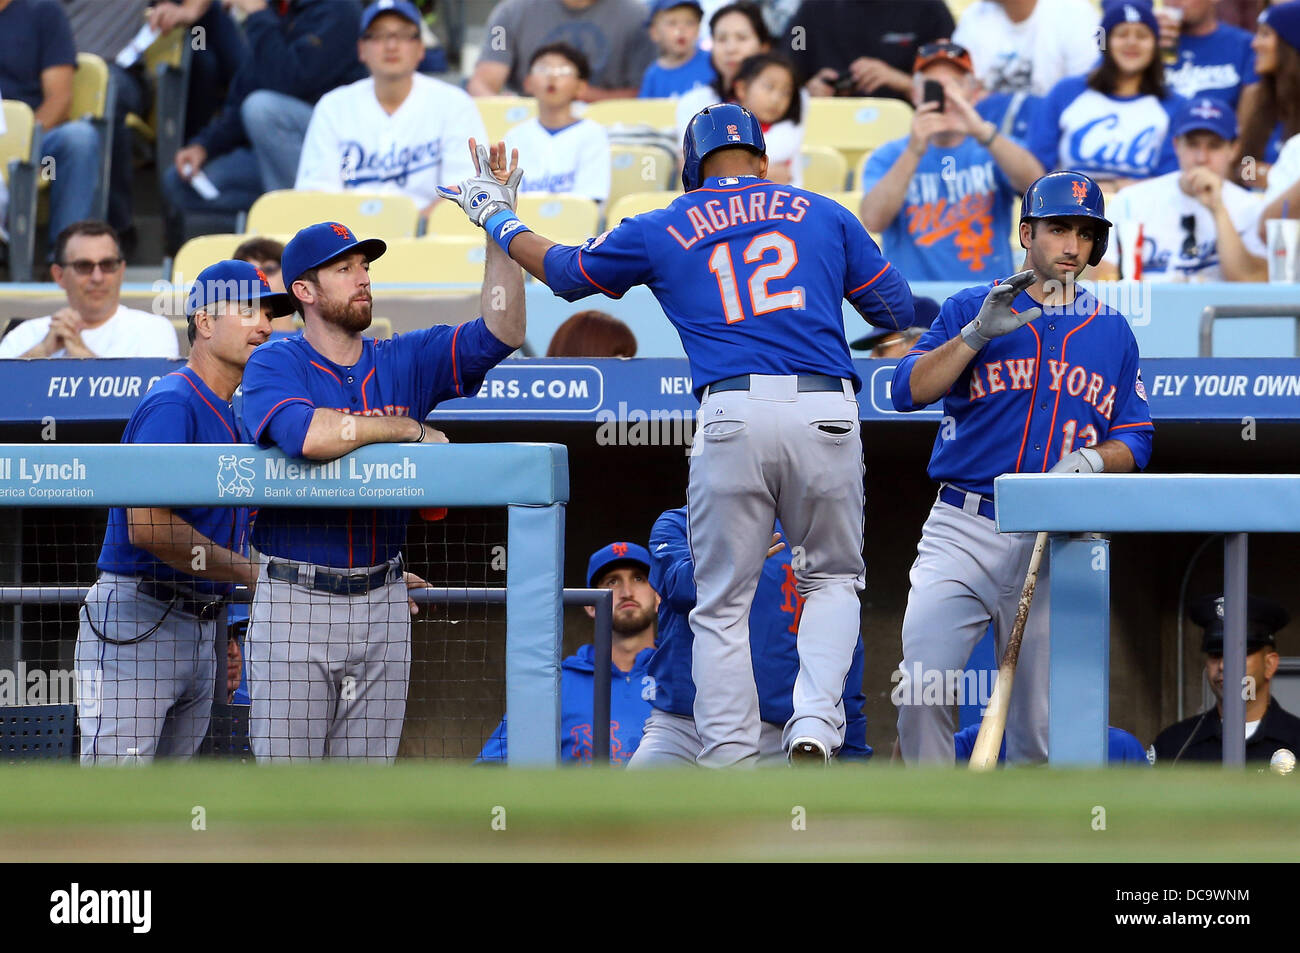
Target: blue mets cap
column 615, row 554
column 401, row 7
column 235, row 281
column 1206, row 112
column 314, row 245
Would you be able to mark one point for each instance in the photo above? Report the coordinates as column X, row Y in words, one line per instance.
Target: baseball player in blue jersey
column 752, row 275
column 670, row 736
column 1036, row 375
column 148, row 625
column 329, row 635
column 625, row 568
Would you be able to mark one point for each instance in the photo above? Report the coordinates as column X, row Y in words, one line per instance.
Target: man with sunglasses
column 941, row 197
column 397, row 130
column 88, row 267
column 1196, row 226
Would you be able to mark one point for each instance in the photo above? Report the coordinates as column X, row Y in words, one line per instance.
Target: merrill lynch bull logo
column 234, row 475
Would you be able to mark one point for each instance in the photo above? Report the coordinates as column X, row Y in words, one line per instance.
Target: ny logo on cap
column 340, row 230
column 1080, row 191
column 732, row 130
column 620, row 549
column 262, row 275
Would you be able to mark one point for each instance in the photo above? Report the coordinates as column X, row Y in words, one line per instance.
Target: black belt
column 955, row 497
column 182, row 600
column 807, row 383
column 335, row 583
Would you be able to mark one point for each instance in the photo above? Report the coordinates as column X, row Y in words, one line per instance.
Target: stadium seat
column 855, row 126
column 656, row 113
column 638, row 169
column 439, row 260
column 567, row 219
column 853, row 202
column 370, row 215
column 163, row 53
column 381, row 328
column 197, row 253
column 18, row 146
column 37, row 731
column 824, row 168
column 500, row 113
column 636, row 203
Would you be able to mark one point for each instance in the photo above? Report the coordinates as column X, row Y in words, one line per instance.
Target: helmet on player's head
column 1068, row 195
column 720, row 126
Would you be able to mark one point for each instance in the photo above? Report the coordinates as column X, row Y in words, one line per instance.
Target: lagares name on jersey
column 739, row 209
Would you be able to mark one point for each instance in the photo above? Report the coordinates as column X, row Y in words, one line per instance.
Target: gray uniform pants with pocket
column 671, row 741
column 966, row 574
column 145, row 676
column 758, row 454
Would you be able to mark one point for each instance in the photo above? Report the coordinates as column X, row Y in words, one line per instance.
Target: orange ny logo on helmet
column 1080, row 191
column 262, row 275
column 732, row 130
column 340, row 230
column 620, row 549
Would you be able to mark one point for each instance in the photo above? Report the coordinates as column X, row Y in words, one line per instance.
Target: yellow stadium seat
column 16, row 140
column 824, row 168
column 638, row 169
column 855, row 126
column 380, row 328
column 370, row 215
column 636, row 203
column 431, row 261
column 197, row 253
column 853, row 202
column 567, row 219
column 89, row 87
column 500, row 113
column 656, row 113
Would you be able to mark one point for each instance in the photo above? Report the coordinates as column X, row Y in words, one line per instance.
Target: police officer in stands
column 1268, row 725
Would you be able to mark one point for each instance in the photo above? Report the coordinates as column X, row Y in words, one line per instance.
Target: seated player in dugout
column 671, row 737
column 1269, row 726
column 319, row 396
column 625, row 568
column 148, row 626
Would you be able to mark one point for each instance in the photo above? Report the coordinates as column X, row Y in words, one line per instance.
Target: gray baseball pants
column 149, row 698
column 966, row 574
column 766, row 452
column 671, row 740
column 327, row 674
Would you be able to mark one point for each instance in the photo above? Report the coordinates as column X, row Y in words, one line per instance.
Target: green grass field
column 439, row 812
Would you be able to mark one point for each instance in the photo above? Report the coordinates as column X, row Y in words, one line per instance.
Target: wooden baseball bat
column 984, row 756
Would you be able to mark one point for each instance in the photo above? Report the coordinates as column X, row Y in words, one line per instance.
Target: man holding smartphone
column 941, row 197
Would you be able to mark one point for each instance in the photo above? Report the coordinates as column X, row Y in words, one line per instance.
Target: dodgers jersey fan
column 574, row 158
column 286, row 381
column 1065, row 380
column 354, row 143
column 773, row 261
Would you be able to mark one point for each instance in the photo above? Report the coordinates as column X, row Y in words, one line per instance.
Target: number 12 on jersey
column 761, row 299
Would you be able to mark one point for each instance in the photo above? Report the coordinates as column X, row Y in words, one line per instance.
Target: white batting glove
column 996, row 317
column 1086, row 460
column 481, row 195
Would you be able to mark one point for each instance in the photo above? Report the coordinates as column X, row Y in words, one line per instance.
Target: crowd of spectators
column 317, row 95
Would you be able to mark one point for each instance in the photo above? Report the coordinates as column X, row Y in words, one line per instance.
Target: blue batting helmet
column 713, row 128
column 1068, row 195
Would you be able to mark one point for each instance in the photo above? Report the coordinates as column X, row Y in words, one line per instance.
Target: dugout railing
column 530, row 481
column 1072, row 506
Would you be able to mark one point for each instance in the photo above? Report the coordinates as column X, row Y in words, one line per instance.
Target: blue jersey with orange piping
column 751, row 274
column 1067, row 379
column 179, row 408
column 287, row 380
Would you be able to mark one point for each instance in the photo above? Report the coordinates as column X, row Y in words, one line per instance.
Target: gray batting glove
column 996, row 317
column 1086, row 460
column 481, row 195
